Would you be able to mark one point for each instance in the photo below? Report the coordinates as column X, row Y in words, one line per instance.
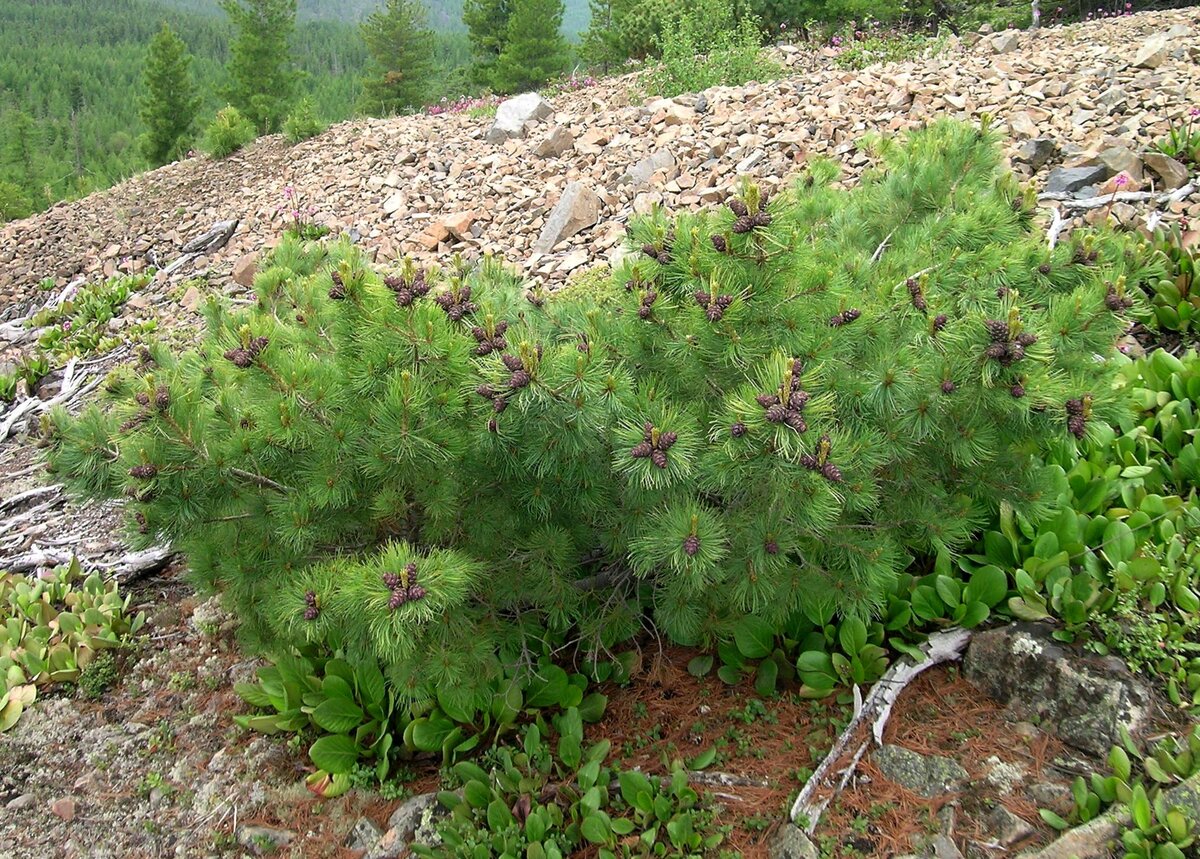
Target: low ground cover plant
column 786, row 401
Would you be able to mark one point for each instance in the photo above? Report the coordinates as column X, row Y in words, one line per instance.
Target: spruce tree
column 400, row 44
column 487, row 29
column 170, row 101
column 262, row 78
column 768, row 412
column 535, row 50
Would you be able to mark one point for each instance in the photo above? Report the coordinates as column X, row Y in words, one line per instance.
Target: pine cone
column 499, row 404
column 743, row 224
column 1077, row 426
column 502, row 328
column 479, row 334
column 795, row 421
column 162, row 398
column 391, row 581
column 714, row 313
column 1017, row 390
column 719, row 243
column 512, row 362
column 1026, row 338
column 397, row 599
column 691, row 545
column 499, row 343
column 776, row 414
column 996, row 351
column 143, row 399
column 767, row 400
column 143, row 525
column 135, row 421
column 310, row 597
column 809, row 461
column 723, row 301
column 702, row 297
column 641, row 450
column 997, row 330
column 939, row 321
column 486, row 391
column 518, row 379
column 659, row 458
column 1074, row 407
column 643, row 313
column 649, row 298
column 258, row 344
column 771, row 547
column 852, row 314
column 240, row 358
column 667, row 440
column 650, row 251
column 1044, row 268
column 484, row 348
column 535, row 299
column 311, row 613
column 762, row 219
column 336, row 277
column 144, row 472
column 404, row 297
column 416, row 592
column 738, row 207
column 948, row 387
column 737, row 430
column 337, row 292
column 831, row 472
column 798, row 399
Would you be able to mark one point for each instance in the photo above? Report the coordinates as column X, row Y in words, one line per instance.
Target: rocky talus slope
column 1089, row 95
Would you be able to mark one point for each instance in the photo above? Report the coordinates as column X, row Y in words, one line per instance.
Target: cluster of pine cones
column 404, row 588
column 819, row 461
column 1003, row 348
column 494, row 342
column 338, row 291
column 1116, row 303
column 844, row 318
column 660, row 253
column 456, row 302
column 407, row 293
column 652, row 448
column 916, row 293
column 714, row 308
column 788, row 406
column 310, row 602
column 243, row 358
column 144, row 472
column 647, row 302
column 1077, row 411
column 746, row 222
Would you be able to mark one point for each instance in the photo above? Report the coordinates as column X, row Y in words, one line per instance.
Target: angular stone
column 263, row 840
column 1006, row 42
column 640, row 173
column 558, row 142
column 513, row 113
column 459, row 224
column 790, row 842
column 1036, row 152
column 1066, row 180
column 244, row 270
column 407, row 817
column 1173, row 174
column 1022, row 125
column 191, row 299
column 1085, row 700
column 63, row 808
column 364, row 835
column 577, row 209
column 1118, row 159
column 19, row 803
column 394, row 203
column 1006, row 828
column 1152, row 53
column 942, row 847
column 927, row 775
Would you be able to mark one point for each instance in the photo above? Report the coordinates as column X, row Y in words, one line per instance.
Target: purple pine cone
column 691, row 545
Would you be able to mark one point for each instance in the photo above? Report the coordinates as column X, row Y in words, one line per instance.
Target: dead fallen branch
column 128, row 566
column 215, row 238
column 941, row 647
column 1069, row 202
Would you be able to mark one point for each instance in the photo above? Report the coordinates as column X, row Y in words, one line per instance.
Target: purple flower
column 1122, row 180
column 1195, row 111
column 289, row 191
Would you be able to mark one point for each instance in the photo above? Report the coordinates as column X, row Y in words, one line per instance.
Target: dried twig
column 1070, row 202
column 941, row 647
column 1056, row 227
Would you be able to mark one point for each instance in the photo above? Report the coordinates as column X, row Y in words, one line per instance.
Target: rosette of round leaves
column 635, row 434
column 52, row 626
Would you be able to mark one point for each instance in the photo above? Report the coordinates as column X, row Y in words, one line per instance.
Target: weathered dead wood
column 1070, row 202
column 941, row 647
column 214, row 239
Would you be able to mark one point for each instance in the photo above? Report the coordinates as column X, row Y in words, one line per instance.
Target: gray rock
column 701, row 105
column 577, row 209
column 1006, row 42
column 790, row 842
column 1152, row 53
column 513, row 113
column 927, row 775
column 1118, row 159
column 364, row 835
column 1065, row 180
column 558, row 142
column 1006, row 828
column 261, row 840
column 1036, row 152
column 942, row 847
column 1085, row 700
column 414, row 820
column 408, row 816
column 1173, row 174
column 18, row 803
column 640, row 173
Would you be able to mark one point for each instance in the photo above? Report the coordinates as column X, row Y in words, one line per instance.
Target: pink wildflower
column 1122, row 180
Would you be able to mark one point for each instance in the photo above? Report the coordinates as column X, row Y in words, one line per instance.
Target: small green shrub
column 788, row 400
column 870, row 43
column 79, row 326
column 1175, row 297
column 698, row 53
column 302, row 123
column 52, row 628
column 1183, row 139
column 14, row 202
column 228, row 133
column 98, row 676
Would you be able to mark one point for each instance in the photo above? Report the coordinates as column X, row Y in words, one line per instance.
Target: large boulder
column 577, row 209
column 1173, row 174
column 1085, row 700
column 513, row 113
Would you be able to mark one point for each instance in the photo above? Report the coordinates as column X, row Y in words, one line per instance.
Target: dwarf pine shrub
column 775, row 409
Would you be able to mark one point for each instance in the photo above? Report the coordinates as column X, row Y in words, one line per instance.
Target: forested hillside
column 443, row 14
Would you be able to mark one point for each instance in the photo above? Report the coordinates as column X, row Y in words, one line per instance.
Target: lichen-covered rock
column 790, row 842
column 1084, row 700
column 927, row 775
